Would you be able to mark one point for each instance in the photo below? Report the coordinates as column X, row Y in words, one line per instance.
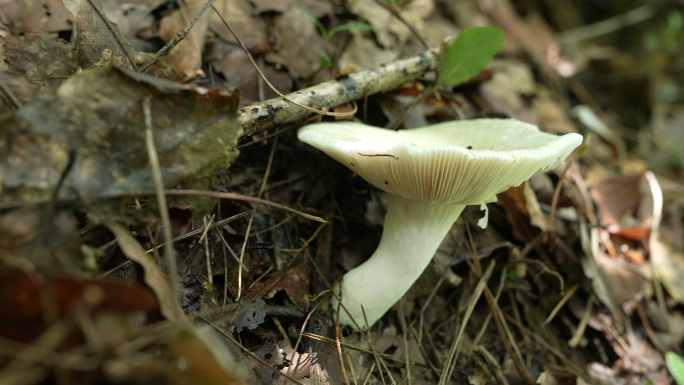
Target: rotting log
column 260, row 117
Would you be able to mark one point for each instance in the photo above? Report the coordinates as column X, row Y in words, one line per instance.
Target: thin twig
column 178, row 38
column 343, row 114
column 554, row 199
column 10, row 95
column 456, row 346
column 392, row 7
column 230, row 338
column 607, row 26
column 561, row 303
column 161, row 200
column 251, row 218
column 219, row 195
column 569, row 363
column 394, row 123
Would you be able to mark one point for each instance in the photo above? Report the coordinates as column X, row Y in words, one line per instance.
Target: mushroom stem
column 412, row 233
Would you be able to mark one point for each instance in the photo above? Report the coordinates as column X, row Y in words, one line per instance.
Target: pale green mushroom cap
column 466, row 162
column 430, row 175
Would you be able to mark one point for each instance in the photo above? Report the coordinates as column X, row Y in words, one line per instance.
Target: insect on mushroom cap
column 466, row 162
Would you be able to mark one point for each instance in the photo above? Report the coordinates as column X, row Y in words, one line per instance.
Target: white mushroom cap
column 434, row 163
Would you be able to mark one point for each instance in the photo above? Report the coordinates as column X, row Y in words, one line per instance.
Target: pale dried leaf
column 154, row 278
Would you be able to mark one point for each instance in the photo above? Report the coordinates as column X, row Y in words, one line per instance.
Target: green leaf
column 675, row 365
column 326, row 61
column 348, row 26
column 320, row 26
column 469, row 54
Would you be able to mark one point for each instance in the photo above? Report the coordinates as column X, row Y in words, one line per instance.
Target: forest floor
column 578, row 278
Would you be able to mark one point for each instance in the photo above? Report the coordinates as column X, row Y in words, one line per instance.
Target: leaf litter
column 585, row 262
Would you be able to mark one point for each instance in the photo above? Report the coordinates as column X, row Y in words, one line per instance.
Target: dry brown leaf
column 530, row 34
column 240, row 72
column 241, row 17
column 187, row 55
column 285, row 360
column 390, row 31
column 21, row 16
column 99, row 42
column 550, row 115
column 616, row 198
column 363, row 52
column 301, row 43
column 296, row 283
column 134, row 19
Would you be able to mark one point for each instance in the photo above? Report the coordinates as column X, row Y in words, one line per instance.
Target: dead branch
column 259, row 117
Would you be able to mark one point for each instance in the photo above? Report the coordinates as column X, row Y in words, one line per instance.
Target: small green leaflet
column 469, row 54
column 348, row 26
column 675, row 365
column 326, row 61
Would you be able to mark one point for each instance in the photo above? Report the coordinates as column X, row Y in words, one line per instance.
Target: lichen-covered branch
column 276, row 112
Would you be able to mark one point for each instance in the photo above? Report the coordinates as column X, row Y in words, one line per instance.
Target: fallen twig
column 259, row 117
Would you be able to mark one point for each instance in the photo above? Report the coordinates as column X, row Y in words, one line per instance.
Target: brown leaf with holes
column 23, row 16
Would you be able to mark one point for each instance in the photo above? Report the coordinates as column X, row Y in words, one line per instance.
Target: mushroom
column 430, row 174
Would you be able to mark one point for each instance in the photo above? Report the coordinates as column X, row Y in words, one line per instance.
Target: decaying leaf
column 99, row 42
column 187, row 55
column 42, row 58
column 295, row 283
column 96, row 116
column 251, row 316
column 285, row 360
